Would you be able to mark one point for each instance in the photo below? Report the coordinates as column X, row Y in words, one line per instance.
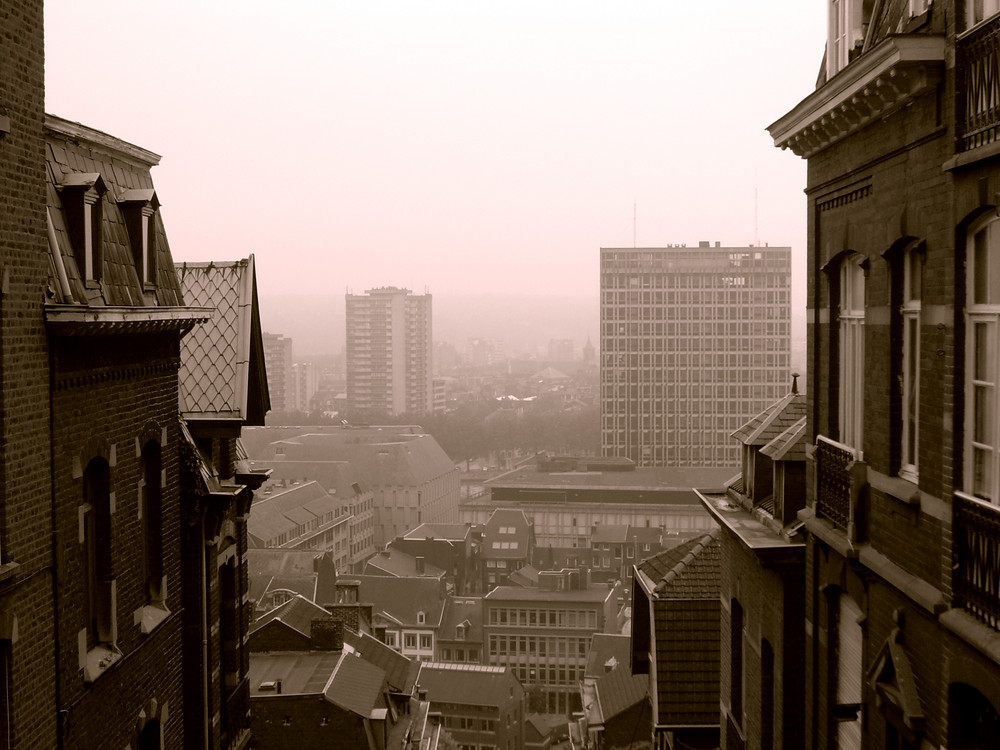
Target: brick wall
column 25, row 513
column 305, row 722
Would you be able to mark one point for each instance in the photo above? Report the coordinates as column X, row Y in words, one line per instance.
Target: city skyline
column 349, row 150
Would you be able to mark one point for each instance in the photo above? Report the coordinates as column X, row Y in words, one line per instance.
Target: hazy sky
column 461, row 147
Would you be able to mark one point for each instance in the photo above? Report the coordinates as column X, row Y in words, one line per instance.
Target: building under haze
column 280, row 376
column 389, row 352
column 694, row 342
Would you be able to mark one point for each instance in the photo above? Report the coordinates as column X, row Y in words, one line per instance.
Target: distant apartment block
column 694, row 342
column 305, row 383
column 389, row 352
column 280, row 376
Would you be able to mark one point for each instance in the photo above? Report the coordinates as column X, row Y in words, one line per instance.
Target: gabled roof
column 773, row 421
column 507, row 535
column 790, row 445
column 282, row 510
column 297, row 613
column 609, row 683
column 400, row 599
column 609, row 533
column 462, row 610
column 468, row 684
column 526, row 575
column 222, row 373
column 356, row 685
column 400, row 671
column 395, row 562
column 691, row 570
column 307, row 572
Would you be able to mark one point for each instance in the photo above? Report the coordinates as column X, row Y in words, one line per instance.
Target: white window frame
column 977, row 11
column 845, row 28
column 981, row 433
column 851, row 341
column 910, row 365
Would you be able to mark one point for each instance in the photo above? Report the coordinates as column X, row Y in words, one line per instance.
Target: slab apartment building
column 389, row 352
column 694, row 342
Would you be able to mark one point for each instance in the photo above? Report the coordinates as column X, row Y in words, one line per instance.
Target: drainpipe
column 206, row 719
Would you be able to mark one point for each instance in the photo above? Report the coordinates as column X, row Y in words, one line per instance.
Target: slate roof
column 400, row 564
column 76, row 154
column 400, row 599
column 453, row 532
column 283, row 509
column 356, row 685
column 297, row 613
column 691, row 570
column 400, row 671
column 336, row 477
column 790, row 445
column 468, row 684
column 458, row 610
column 609, row 683
column 609, row 534
column 307, row 572
column 773, row 421
column 222, row 372
column 596, row 593
column 511, row 546
column 300, row 672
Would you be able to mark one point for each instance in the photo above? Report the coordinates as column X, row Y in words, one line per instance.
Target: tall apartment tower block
column 694, row 342
column 280, row 376
column 389, row 352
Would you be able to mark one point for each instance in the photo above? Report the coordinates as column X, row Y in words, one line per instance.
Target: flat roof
column 641, row 478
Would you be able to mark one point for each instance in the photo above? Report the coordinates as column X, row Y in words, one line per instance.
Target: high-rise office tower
column 694, row 342
column 278, row 363
column 389, row 352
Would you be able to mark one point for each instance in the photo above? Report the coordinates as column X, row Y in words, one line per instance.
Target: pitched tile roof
column 395, row 562
column 456, row 532
column 301, row 673
column 400, row 671
column 307, row 572
column 468, row 684
column 459, row 610
column 283, row 509
column 790, row 445
column 507, row 535
column 691, row 570
column 356, row 685
column 222, row 371
column 297, row 613
column 400, row 599
column 609, row 533
column 609, row 681
column 773, row 421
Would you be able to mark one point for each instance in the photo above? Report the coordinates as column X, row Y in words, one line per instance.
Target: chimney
column 277, row 686
column 326, row 635
column 704, row 243
column 419, row 561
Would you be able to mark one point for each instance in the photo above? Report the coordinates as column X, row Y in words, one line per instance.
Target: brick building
column 762, row 630
column 675, row 641
column 902, row 606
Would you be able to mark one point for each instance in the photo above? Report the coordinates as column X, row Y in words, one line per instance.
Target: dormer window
column 139, row 208
column 421, row 618
column 82, row 194
column 846, row 26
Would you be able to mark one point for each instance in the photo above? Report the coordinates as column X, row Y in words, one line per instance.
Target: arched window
column 851, row 342
column 982, row 362
column 96, row 552
column 151, row 498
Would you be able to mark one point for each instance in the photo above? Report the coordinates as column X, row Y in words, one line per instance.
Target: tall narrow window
column 847, row 710
column 979, row 10
column 846, row 24
column 910, row 364
column 139, row 208
column 152, row 522
column 981, row 439
column 851, row 331
column 82, row 197
column 736, row 663
column 229, row 624
column 96, row 552
column 766, row 694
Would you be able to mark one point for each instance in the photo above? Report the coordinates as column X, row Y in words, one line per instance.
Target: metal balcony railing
column 236, row 714
column 977, row 86
column 976, row 559
column 835, row 487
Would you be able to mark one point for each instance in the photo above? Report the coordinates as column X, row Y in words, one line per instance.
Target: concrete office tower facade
column 389, row 352
column 280, row 376
column 694, row 342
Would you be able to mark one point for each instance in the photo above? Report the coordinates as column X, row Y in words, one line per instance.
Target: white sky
column 461, row 147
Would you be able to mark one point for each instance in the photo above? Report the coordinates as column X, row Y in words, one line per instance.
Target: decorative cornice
column 81, row 320
column 893, row 73
column 77, row 132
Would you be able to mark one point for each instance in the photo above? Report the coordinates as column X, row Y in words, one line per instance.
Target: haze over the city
column 479, row 151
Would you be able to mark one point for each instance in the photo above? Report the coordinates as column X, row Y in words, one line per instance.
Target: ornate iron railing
column 976, row 559
column 833, row 482
column 977, row 87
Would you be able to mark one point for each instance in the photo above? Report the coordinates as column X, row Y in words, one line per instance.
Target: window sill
column 148, row 617
column 902, row 488
column 99, row 660
column 8, row 572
